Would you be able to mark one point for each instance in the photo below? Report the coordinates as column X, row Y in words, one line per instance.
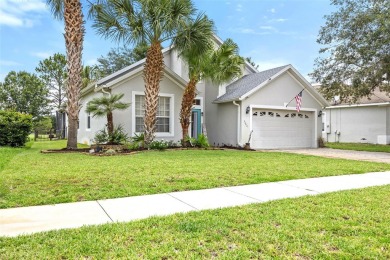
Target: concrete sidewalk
column 27, row 220
column 343, row 154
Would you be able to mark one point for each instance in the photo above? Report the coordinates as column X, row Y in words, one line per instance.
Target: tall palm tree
column 104, row 106
column 145, row 21
column 71, row 12
column 220, row 66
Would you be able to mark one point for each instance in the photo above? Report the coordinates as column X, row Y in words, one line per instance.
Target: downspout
column 106, row 92
column 238, row 122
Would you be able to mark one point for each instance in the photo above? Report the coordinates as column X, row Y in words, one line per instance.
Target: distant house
column 254, row 108
column 366, row 121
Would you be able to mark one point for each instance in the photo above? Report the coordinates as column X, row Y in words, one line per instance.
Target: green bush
column 159, row 145
column 202, row 141
column 117, row 137
column 14, row 128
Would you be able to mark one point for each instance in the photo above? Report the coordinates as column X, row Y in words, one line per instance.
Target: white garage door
column 275, row 129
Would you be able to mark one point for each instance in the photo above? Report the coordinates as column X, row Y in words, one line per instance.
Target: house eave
column 384, row 104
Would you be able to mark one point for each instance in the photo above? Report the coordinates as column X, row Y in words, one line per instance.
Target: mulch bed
column 129, row 152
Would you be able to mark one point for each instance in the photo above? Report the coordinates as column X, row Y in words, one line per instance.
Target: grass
column 342, row 225
column 360, row 147
column 33, row 178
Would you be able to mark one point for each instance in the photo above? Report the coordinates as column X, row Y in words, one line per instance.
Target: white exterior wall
column 84, row 135
column 365, row 124
column 275, row 95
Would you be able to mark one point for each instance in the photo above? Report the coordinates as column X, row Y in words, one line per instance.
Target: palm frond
column 56, row 8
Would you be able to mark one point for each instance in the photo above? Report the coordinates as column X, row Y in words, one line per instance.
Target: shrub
column 14, row 128
column 118, row 136
column 158, row 145
column 101, row 137
column 202, row 141
column 138, row 140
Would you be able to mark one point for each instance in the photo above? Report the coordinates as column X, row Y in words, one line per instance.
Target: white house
column 254, row 107
column 366, row 121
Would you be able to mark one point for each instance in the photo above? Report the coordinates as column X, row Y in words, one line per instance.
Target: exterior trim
column 360, row 105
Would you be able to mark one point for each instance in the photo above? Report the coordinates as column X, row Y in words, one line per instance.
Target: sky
column 271, row 32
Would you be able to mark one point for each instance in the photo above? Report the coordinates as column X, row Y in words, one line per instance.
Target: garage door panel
column 282, row 129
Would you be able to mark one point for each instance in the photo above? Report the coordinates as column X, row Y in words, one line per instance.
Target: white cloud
column 21, row 13
column 42, row 55
column 249, row 31
column 268, row 28
column 272, row 10
column 279, row 20
column 239, row 8
column 9, row 63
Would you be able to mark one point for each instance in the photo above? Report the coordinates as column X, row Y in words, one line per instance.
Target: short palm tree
column 145, row 21
column 104, row 106
column 71, row 12
column 220, row 66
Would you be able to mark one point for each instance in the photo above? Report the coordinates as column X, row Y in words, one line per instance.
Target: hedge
column 14, row 128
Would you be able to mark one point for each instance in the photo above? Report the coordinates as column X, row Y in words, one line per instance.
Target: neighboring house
column 252, row 107
column 366, row 121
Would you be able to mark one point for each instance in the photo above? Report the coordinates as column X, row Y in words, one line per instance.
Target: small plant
column 190, row 141
column 118, row 136
column 101, row 137
column 158, row 145
column 138, row 139
column 202, row 141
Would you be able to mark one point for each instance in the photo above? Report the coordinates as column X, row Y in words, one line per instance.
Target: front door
column 196, row 128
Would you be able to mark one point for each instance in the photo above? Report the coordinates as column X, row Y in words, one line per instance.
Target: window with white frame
column 163, row 114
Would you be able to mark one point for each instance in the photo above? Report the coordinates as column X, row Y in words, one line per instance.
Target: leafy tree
column 104, row 106
column 251, row 62
column 53, row 72
column 90, row 74
column 118, row 58
column 71, row 12
column 356, row 56
column 26, row 93
column 44, row 124
column 150, row 22
column 220, row 66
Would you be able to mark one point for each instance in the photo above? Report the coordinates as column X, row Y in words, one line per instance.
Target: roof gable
column 252, row 83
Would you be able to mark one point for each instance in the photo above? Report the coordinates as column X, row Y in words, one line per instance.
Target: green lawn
column 360, row 147
column 33, row 178
column 343, row 225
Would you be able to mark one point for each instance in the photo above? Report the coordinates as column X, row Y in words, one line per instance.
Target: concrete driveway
column 344, row 154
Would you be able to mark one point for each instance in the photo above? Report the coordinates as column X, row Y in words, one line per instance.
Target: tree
column 220, row 66
column 104, row 106
column 52, row 71
column 251, row 62
column 71, row 12
column 90, row 74
column 118, row 58
column 356, row 56
column 150, row 22
column 26, row 93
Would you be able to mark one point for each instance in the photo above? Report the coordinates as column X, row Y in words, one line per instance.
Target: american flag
column 298, row 100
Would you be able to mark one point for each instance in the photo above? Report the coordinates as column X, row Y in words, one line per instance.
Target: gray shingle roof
column 245, row 84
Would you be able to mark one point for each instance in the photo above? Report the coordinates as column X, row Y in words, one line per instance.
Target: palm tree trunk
column 153, row 74
column 110, row 123
column 74, row 34
column 186, row 106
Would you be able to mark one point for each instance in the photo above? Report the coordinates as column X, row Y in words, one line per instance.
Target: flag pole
column 295, row 96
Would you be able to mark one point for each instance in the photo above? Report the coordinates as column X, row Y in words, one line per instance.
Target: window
column 196, row 102
column 163, row 114
column 88, row 121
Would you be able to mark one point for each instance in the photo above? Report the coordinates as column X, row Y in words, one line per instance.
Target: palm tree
column 71, row 12
column 104, row 106
column 220, row 66
column 145, row 21
column 89, row 75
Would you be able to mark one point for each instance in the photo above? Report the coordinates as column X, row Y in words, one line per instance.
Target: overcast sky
column 271, row 32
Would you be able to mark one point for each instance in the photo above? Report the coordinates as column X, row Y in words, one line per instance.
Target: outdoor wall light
column 320, row 113
column 247, row 110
